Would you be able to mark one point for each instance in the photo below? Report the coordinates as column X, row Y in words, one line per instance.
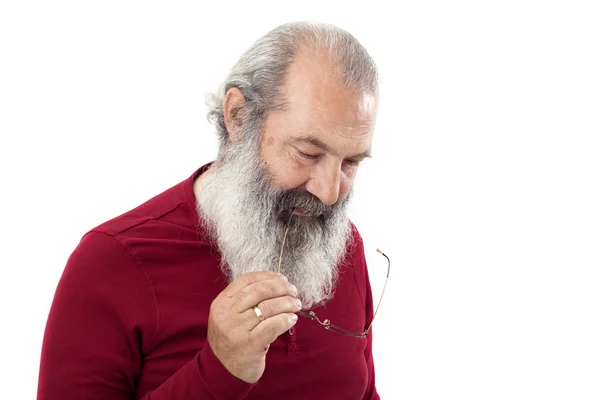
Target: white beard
column 247, row 217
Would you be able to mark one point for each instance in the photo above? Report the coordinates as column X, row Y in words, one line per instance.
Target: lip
column 301, row 213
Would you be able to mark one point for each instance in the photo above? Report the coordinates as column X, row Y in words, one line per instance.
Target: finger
column 267, row 331
column 270, row 308
column 248, row 279
column 260, row 291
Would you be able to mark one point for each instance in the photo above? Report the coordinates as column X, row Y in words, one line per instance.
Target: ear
column 232, row 109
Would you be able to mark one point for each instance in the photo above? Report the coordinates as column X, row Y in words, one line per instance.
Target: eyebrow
column 323, row 146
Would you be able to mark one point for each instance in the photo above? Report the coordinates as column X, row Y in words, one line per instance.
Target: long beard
column 247, row 215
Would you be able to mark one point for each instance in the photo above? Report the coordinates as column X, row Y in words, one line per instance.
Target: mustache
column 305, row 201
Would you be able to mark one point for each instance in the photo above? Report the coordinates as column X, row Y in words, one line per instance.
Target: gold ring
column 259, row 314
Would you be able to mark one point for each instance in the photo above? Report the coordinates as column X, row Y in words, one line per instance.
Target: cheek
column 286, row 173
column 271, row 160
column 349, row 174
column 294, row 176
column 346, row 185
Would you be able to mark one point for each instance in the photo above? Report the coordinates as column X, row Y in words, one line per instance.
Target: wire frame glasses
column 326, row 322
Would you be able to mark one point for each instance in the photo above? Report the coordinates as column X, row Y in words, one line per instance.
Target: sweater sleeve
column 102, row 321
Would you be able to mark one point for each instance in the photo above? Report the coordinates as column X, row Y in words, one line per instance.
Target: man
column 196, row 294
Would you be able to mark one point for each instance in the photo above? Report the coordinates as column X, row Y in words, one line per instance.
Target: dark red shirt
column 130, row 313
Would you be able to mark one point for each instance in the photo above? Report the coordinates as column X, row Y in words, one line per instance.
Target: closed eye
column 308, row 156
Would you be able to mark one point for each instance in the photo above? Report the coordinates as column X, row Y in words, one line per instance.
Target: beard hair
column 247, row 216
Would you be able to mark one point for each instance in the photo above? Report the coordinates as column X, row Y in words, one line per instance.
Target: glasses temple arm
column 382, row 292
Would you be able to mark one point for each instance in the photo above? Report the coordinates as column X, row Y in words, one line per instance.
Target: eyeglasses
column 326, row 322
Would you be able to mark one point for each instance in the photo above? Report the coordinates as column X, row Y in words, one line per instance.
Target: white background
column 483, row 190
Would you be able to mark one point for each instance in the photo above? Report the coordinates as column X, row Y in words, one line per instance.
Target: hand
column 235, row 334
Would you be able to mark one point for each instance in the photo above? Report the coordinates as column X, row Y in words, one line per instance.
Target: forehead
column 319, row 105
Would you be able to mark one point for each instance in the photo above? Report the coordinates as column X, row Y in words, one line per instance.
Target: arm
column 102, row 321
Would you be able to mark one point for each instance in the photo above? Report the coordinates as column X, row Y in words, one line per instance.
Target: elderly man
column 219, row 287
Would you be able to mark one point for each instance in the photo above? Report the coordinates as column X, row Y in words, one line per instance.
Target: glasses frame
column 327, row 323
column 334, row 328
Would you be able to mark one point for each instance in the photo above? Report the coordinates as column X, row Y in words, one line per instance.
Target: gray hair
column 260, row 72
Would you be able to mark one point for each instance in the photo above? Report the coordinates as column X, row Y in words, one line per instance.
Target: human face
column 318, row 140
column 246, row 214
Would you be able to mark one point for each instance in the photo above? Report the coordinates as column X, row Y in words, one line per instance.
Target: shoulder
column 356, row 249
column 155, row 208
column 105, row 249
column 355, row 259
column 99, row 258
column 170, row 215
column 122, row 245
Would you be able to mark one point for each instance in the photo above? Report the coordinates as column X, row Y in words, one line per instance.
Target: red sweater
column 130, row 313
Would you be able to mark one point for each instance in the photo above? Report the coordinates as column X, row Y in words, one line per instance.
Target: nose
column 325, row 183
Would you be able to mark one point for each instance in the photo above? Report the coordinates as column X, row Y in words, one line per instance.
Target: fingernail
column 298, row 303
column 294, row 290
column 283, row 277
column 294, row 318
